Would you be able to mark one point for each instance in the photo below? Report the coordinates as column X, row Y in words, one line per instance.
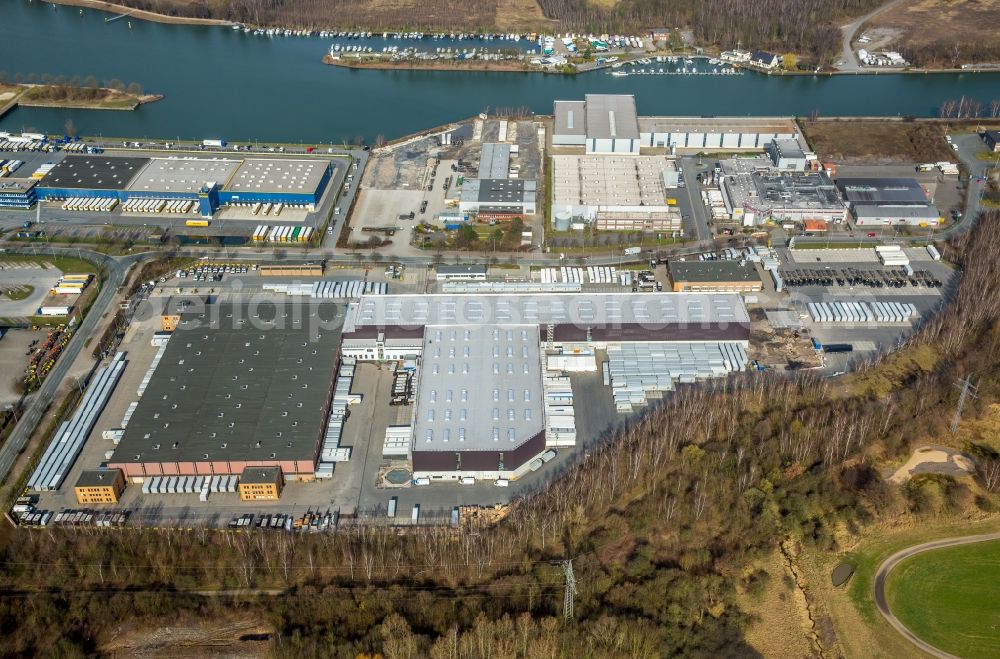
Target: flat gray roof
column 788, row 148
column 238, row 382
column 908, row 211
column 764, row 125
column 611, row 180
column 479, row 388
column 278, row 175
column 494, row 161
column 509, row 191
column 98, row 477
column 89, row 172
column 711, row 271
column 882, row 190
column 461, row 269
column 259, row 475
column 570, row 117
column 611, row 116
column 797, row 190
column 16, row 185
column 585, row 309
column 182, row 174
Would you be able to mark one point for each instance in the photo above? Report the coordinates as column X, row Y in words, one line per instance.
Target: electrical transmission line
column 968, row 389
column 569, row 591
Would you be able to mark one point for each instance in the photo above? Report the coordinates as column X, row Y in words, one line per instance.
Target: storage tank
column 564, row 219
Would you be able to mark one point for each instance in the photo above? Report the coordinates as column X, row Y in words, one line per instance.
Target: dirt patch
column 921, row 22
column 780, row 617
column 194, row 638
column 780, row 348
column 879, row 38
column 878, row 142
column 934, row 460
column 520, row 15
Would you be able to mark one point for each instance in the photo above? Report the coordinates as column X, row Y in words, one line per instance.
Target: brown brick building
column 100, row 486
column 261, row 484
column 714, row 277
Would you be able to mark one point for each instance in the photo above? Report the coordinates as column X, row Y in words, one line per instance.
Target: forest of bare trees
column 808, row 27
column 661, row 520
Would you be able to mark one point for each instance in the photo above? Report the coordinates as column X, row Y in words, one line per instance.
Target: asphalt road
column 117, row 270
column 900, row 556
column 699, row 215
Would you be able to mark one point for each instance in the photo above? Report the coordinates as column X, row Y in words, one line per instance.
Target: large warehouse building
column 211, row 182
column 614, row 193
column 888, row 202
column 238, row 388
column 694, row 134
column 608, row 123
column 481, row 408
column 602, row 123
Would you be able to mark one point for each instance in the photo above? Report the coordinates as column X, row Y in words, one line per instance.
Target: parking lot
column 889, row 279
column 16, row 276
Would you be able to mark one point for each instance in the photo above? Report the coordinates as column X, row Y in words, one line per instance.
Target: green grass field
column 951, row 598
column 67, row 264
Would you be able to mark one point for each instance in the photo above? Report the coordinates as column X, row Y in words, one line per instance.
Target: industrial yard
column 482, row 174
column 293, row 393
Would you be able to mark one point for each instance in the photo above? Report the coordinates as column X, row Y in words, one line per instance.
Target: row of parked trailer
column 76, row 147
column 266, row 209
column 861, row 312
column 143, row 205
column 90, row 204
column 88, row 518
column 8, row 167
column 66, row 444
column 202, row 485
column 331, row 290
column 16, row 144
column 282, row 234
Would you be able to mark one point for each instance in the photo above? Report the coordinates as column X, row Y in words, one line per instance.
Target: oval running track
column 887, row 566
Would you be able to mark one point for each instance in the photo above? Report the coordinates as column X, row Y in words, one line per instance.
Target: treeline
column 356, row 14
column 969, row 108
column 802, row 26
column 950, row 53
column 74, row 87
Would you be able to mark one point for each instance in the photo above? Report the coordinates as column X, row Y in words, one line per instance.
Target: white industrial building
column 498, row 197
column 492, row 394
column 608, row 124
column 602, row 123
column 787, row 155
column 755, row 197
column 694, row 134
column 614, row 193
column 888, row 202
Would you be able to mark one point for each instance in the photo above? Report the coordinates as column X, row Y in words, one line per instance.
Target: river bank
column 140, row 13
column 69, row 97
column 429, row 65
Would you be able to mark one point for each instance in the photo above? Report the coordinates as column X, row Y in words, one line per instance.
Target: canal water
column 222, row 83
